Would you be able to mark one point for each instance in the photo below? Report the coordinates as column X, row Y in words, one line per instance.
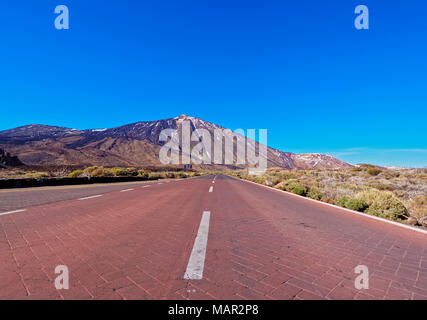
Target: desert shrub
column 340, row 176
column 309, row 183
column 283, row 175
column 421, row 175
column 154, row 176
column 75, row 174
column 356, row 204
column 341, row 201
column 90, row 169
column 315, row 194
column 124, row 172
column 391, row 175
column 260, row 180
column 293, row 186
column 374, row 171
column 352, row 203
column 350, row 186
column 418, row 207
column 37, row 175
column 274, row 180
column 399, row 193
column 383, row 204
column 133, row 172
column 170, row 175
column 181, row 175
column 193, row 174
column 328, row 200
column 42, row 175
column 282, row 185
column 101, row 172
column 290, row 184
column 379, row 186
column 299, row 191
column 143, row 174
column 268, row 182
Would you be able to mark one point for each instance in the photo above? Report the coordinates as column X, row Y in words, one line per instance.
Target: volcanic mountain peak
column 135, row 144
column 184, row 117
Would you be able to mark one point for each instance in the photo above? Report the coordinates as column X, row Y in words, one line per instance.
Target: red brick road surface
column 262, row 244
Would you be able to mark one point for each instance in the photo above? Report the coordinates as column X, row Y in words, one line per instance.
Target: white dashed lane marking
column 126, row 190
column 210, row 189
column 14, row 211
column 91, row 197
column 196, row 263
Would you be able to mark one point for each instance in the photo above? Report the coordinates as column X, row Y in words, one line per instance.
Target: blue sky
column 297, row 68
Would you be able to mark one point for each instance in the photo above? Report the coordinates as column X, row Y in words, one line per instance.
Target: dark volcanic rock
column 7, row 160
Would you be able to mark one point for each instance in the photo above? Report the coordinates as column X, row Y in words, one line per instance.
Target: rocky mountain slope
column 6, row 160
column 134, row 144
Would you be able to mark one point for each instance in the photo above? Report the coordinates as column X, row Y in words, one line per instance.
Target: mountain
column 6, row 160
column 135, row 144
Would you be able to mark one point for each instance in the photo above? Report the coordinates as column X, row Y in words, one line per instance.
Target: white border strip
column 337, row 207
column 10, row 212
column 196, row 263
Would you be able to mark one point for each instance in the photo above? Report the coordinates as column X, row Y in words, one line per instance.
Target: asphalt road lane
column 260, row 244
column 13, row 199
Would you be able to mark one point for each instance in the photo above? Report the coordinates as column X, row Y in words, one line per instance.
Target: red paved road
column 262, row 244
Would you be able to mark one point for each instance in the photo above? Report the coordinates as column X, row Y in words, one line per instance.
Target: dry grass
column 23, row 174
column 418, row 207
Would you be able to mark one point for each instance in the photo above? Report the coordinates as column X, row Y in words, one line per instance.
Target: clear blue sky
column 297, row 68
